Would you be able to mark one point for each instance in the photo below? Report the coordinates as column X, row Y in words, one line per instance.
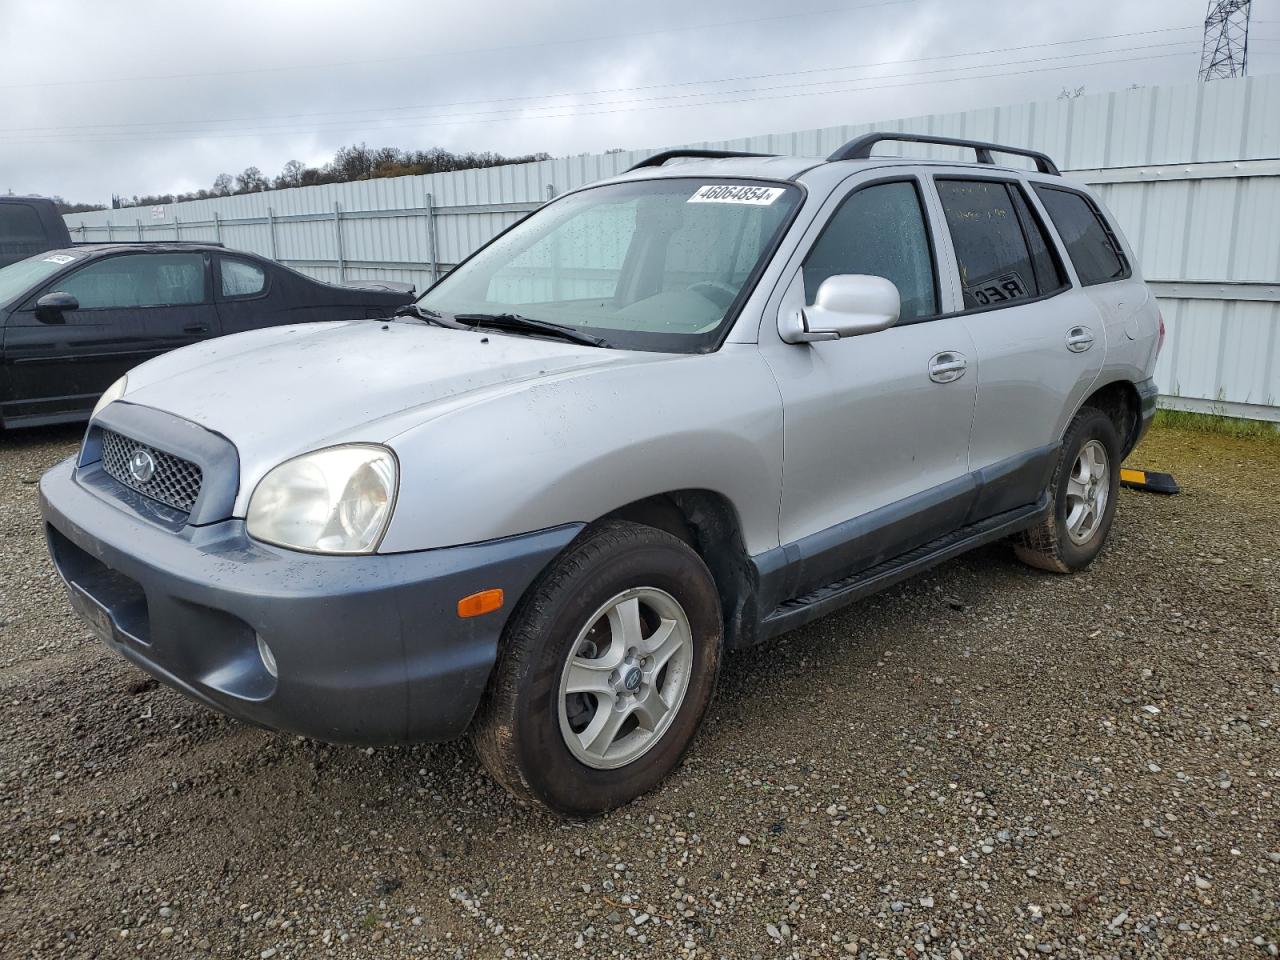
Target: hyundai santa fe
column 668, row 415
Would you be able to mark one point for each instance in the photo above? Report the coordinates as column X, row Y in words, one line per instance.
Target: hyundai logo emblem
column 142, row 466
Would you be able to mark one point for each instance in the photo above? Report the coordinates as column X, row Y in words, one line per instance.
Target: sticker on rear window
column 739, row 193
column 59, row 258
column 1008, row 287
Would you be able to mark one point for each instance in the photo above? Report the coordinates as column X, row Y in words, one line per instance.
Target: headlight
column 337, row 500
column 113, row 392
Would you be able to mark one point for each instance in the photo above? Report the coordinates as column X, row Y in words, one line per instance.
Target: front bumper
column 369, row 649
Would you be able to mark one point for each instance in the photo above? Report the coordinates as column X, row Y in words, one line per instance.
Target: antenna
column 1226, row 40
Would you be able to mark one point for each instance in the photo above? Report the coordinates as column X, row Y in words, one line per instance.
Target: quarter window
column 138, row 280
column 1089, row 241
column 241, row 278
column 879, row 230
column 1001, row 251
column 19, row 223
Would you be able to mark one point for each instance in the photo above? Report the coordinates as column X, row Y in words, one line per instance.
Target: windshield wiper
column 515, row 322
column 428, row 316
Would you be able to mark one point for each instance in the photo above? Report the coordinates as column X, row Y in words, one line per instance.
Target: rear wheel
column 1084, row 489
column 606, row 671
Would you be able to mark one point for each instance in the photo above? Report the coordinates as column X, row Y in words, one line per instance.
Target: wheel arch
column 1120, row 401
column 709, row 523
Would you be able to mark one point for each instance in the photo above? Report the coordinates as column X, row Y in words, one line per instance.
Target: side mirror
column 50, row 307
column 847, row 305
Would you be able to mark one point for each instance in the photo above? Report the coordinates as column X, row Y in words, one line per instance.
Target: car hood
column 278, row 392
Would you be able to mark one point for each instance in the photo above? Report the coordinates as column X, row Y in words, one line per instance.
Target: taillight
column 1160, row 337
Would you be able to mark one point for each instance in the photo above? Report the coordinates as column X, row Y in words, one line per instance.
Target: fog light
column 268, row 658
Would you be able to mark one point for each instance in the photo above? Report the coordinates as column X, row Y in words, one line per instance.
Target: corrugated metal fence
column 1192, row 172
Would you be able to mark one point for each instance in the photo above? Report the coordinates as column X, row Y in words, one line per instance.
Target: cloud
column 157, row 96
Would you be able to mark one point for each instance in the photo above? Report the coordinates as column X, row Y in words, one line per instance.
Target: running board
column 818, row 603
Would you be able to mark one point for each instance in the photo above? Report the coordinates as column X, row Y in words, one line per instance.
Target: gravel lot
column 985, row 762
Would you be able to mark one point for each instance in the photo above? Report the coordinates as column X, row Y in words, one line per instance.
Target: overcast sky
column 148, row 97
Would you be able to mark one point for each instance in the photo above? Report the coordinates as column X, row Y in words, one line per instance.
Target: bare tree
column 222, row 185
column 291, row 175
column 251, row 181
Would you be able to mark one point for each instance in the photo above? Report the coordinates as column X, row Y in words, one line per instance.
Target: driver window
column 138, row 280
column 880, row 231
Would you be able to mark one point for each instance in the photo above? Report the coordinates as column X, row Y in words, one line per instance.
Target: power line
column 669, row 106
column 593, row 93
column 450, row 52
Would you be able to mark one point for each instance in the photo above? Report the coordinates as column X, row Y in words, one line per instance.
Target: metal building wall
column 1192, row 173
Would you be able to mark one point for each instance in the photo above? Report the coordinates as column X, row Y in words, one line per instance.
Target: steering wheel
column 721, row 294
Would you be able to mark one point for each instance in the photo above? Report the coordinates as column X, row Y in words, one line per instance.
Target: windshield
column 17, row 278
column 645, row 265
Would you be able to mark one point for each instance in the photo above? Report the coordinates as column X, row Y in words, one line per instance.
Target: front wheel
column 1085, row 485
column 606, row 670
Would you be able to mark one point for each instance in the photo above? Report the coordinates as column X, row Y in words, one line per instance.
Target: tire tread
column 493, row 731
column 1041, row 546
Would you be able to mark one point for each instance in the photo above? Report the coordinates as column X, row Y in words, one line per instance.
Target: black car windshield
column 17, row 278
column 646, row 265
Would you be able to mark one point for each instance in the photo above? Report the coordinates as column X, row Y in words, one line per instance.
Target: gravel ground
column 986, row 762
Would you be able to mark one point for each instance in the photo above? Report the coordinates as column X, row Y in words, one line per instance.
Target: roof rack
column 658, row 159
column 860, row 148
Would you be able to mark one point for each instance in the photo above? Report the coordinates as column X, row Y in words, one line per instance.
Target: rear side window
column 1001, row 251
column 1090, row 243
column 21, row 232
column 138, row 280
column 241, row 278
column 879, row 230
column 20, row 223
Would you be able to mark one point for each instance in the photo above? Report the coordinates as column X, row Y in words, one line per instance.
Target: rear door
column 1103, row 270
column 133, row 306
column 1040, row 342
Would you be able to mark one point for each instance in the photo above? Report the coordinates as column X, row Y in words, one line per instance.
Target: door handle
column 196, row 328
column 947, row 367
column 1079, row 339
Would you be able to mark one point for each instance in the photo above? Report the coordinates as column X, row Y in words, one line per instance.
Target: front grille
column 172, row 481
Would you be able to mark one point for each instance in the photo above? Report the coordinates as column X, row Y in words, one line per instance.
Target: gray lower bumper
column 1147, row 394
column 369, row 649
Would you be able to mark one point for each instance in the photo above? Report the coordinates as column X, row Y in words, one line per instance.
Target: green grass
column 1216, row 424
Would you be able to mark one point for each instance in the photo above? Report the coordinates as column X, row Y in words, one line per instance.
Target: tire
column 582, row 604
column 1056, row 543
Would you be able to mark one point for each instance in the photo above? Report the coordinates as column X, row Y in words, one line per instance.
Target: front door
column 876, row 426
column 133, row 306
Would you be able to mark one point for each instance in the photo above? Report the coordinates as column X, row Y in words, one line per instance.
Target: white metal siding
column 1191, row 172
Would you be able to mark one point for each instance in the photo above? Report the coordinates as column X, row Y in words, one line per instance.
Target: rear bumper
column 1147, row 393
column 368, row 649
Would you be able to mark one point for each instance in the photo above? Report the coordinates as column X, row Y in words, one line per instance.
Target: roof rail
column 859, row 148
column 658, row 159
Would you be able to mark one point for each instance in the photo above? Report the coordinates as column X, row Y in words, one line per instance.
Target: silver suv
column 671, row 414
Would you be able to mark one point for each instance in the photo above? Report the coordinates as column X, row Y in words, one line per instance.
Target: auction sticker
column 736, row 193
column 58, row 258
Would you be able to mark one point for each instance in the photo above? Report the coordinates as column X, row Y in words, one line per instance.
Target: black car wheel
column 606, row 670
column 1085, row 487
